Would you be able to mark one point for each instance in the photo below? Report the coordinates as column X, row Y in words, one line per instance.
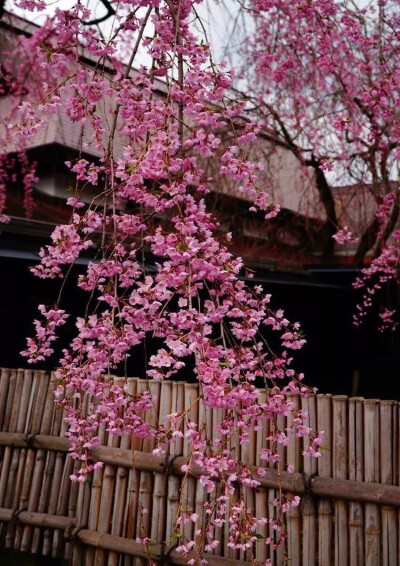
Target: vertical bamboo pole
column 52, row 479
column 17, row 468
column 4, row 383
column 130, row 514
column 371, row 465
column 356, row 473
column 9, row 463
column 340, row 454
column 107, row 492
column 79, row 502
column 324, row 423
column 11, row 418
column 189, row 490
column 282, row 451
column 309, row 404
column 120, row 492
column 8, row 425
column 388, row 430
column 39, row 462
column 176, row 449
column 217, row 416
column 293, row 516
column 261, row 493
column 28, row 487
column 159, row 508
column 143, row 526
column 200, row 490
column 95, row 500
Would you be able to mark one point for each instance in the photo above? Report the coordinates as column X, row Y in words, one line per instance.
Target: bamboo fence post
column 176, row 449
column 52, row 479
column 18, row 459
column 324, row 464
column 189, row 490
column 159, row 507
column 4, row 382
column 95, row 499
column 105, row 508
column 143, row 524
column 128, row 527
column 200, row 490
column 120, row 490
column 371, row 466
column 388, row 437
column 261, row 495
column 66, row 466
column 293, row 516
column 233, row 445
column 339, row 410
column 78, row 505
column 356, row 472
column 11, row 418
column 40, row 460
column 10, row 421
column 7, row 385
column 217, row 416
column 10, row 397
column 42, row 380
column 307, row 507
column 12, row 472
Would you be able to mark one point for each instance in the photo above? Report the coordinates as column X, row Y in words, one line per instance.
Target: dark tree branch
column 366, row 242
column 110, row 12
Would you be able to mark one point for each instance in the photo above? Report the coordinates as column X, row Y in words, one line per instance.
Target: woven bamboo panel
column 350, row 496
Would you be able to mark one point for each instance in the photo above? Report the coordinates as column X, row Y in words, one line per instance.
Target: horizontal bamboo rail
column 349, row 490
column 104, row 540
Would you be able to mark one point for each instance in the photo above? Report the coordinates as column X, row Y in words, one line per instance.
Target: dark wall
column 333, row 351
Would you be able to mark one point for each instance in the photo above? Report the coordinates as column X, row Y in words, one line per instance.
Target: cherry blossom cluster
column 150, row 200
column 324, row 76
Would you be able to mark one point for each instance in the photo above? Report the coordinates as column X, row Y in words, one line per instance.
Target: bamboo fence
column 349, row 513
